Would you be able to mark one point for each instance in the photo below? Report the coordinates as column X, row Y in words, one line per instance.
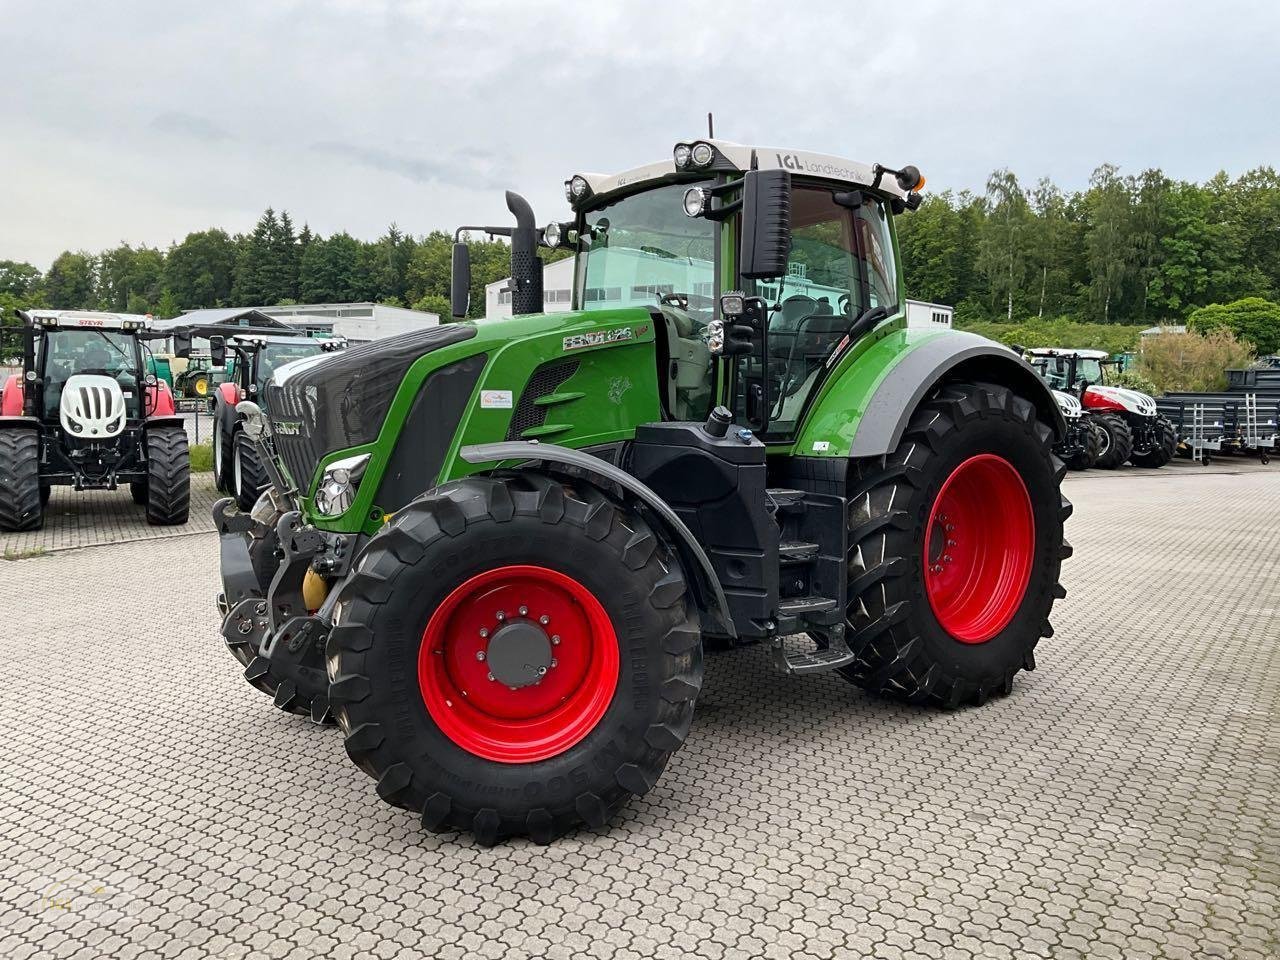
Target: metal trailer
column 1223, row 423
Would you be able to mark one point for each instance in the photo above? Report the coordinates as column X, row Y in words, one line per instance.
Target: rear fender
column 14, row 393
column 697, row 565
column 864, row 410
column 25, row 423
column 159, row 400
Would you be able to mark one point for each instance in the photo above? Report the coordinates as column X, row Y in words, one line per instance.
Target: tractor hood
column 1099, row 397
column 1068, row 405
column 360, row 398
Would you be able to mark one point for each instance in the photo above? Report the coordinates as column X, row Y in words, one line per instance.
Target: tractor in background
column 86, row 412
column 1133, row 430
column 499, row 549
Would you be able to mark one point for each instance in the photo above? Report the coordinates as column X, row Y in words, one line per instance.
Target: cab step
column 797, row 551
column 806, row 606
column 823, row 660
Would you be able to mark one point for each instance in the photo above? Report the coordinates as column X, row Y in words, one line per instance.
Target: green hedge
column 1060, row 332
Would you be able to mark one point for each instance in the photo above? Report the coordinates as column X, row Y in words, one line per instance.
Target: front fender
column 865, row 407
column 13, row 395
column 695, row 560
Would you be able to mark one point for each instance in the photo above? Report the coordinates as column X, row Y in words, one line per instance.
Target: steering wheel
column 844, row 303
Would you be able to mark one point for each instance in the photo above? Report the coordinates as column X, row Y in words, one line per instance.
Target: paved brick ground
column 94, row 517
column 1124, row 802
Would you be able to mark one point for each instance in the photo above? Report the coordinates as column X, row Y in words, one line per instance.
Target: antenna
column 711, row 129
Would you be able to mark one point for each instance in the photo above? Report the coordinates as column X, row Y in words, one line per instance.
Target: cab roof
column 90, row 319
column 1068, row 351
column 739, row 158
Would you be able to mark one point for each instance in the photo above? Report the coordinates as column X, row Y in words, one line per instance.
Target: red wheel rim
column 979, row 547
column 509, row 624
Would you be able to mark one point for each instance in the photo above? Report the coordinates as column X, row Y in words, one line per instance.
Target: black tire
column 1117, row 445
column 905, row 652
column 138, row 491
column 1161, row 452
column 223, row 446
column 21, row 502
column 168, row 476
column 249, row 474
column 1088, row 446
column 442, row 540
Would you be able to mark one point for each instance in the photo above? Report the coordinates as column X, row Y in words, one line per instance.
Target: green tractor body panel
column 601, row 401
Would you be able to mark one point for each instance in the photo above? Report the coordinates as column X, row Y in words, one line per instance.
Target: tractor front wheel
column 168, row 480
column 955, row 549
column 1117, row 444
column 515, row 656
column 21, row 503
column 249, row 476
column 1161, row 450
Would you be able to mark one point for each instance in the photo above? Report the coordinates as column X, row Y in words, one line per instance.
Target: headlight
column 551, row 235
column 576, row 187
column 695, row 201
column 681, row 155
column 715, row 336
column 337, row 490
column 702, row 154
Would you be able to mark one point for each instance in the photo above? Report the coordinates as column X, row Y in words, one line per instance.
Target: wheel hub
column 519, row 654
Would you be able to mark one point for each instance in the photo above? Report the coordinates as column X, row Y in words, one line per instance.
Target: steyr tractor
column 1133, row 429
column 497, row 550
column 1083, row 440
column 85, row 412
column 237, row 469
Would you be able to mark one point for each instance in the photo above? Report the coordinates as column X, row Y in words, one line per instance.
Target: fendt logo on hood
column 598, row 338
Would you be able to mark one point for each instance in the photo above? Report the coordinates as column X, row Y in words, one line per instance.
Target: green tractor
column 495, row 552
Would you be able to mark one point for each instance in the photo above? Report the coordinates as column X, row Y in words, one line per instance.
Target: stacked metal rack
column 1245, row 418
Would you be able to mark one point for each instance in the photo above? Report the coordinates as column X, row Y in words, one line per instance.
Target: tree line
column 1128, row 249
column 274, row 264
column 1139, row 249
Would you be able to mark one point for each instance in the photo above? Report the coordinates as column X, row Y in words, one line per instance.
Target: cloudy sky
column 141, row 121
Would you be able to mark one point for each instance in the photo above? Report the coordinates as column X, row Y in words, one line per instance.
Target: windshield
column 277, row 354
column 103, row 352
column 642, row 249
column 1089, row 369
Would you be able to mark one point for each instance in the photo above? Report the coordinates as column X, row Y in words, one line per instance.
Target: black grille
column 546, row 379
column 342, row 399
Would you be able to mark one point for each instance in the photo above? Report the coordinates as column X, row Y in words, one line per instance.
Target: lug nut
column 484, row 632
column 946, row 559
column 491, row 676
column 542, row 671
column 524, row 611
column 555, row 639
column 479, row 654
column 544, row 619
column 501, row 615
column 555, row 662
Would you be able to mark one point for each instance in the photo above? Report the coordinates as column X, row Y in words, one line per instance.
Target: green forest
column 1017, row 261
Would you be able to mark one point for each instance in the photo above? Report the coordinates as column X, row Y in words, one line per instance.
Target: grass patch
column 13, row 553
column 202, row 458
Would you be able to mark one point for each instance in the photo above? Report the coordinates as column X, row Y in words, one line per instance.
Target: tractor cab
column 798, row 246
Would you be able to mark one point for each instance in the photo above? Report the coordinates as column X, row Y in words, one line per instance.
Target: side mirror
column 460, row 281
column 766, row 224
column 218, row 351
column 182, row 345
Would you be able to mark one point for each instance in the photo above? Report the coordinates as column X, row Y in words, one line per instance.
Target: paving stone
column 1122, row 802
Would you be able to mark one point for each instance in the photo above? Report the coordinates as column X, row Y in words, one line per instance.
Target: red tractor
column 85, row 412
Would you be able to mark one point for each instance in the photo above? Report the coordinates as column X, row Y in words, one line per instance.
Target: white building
column 357, row 322
column 557, row 291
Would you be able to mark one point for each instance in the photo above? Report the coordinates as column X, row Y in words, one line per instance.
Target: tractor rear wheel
column 249, row 476
column 21, row 503
column 1117, row 444
column 515, row 656
column 955, row 549
column 168, row 476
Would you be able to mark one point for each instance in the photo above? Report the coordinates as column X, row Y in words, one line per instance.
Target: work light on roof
column 551, row 235
column 576, row 187
column 702, row 154
column 681, row 155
